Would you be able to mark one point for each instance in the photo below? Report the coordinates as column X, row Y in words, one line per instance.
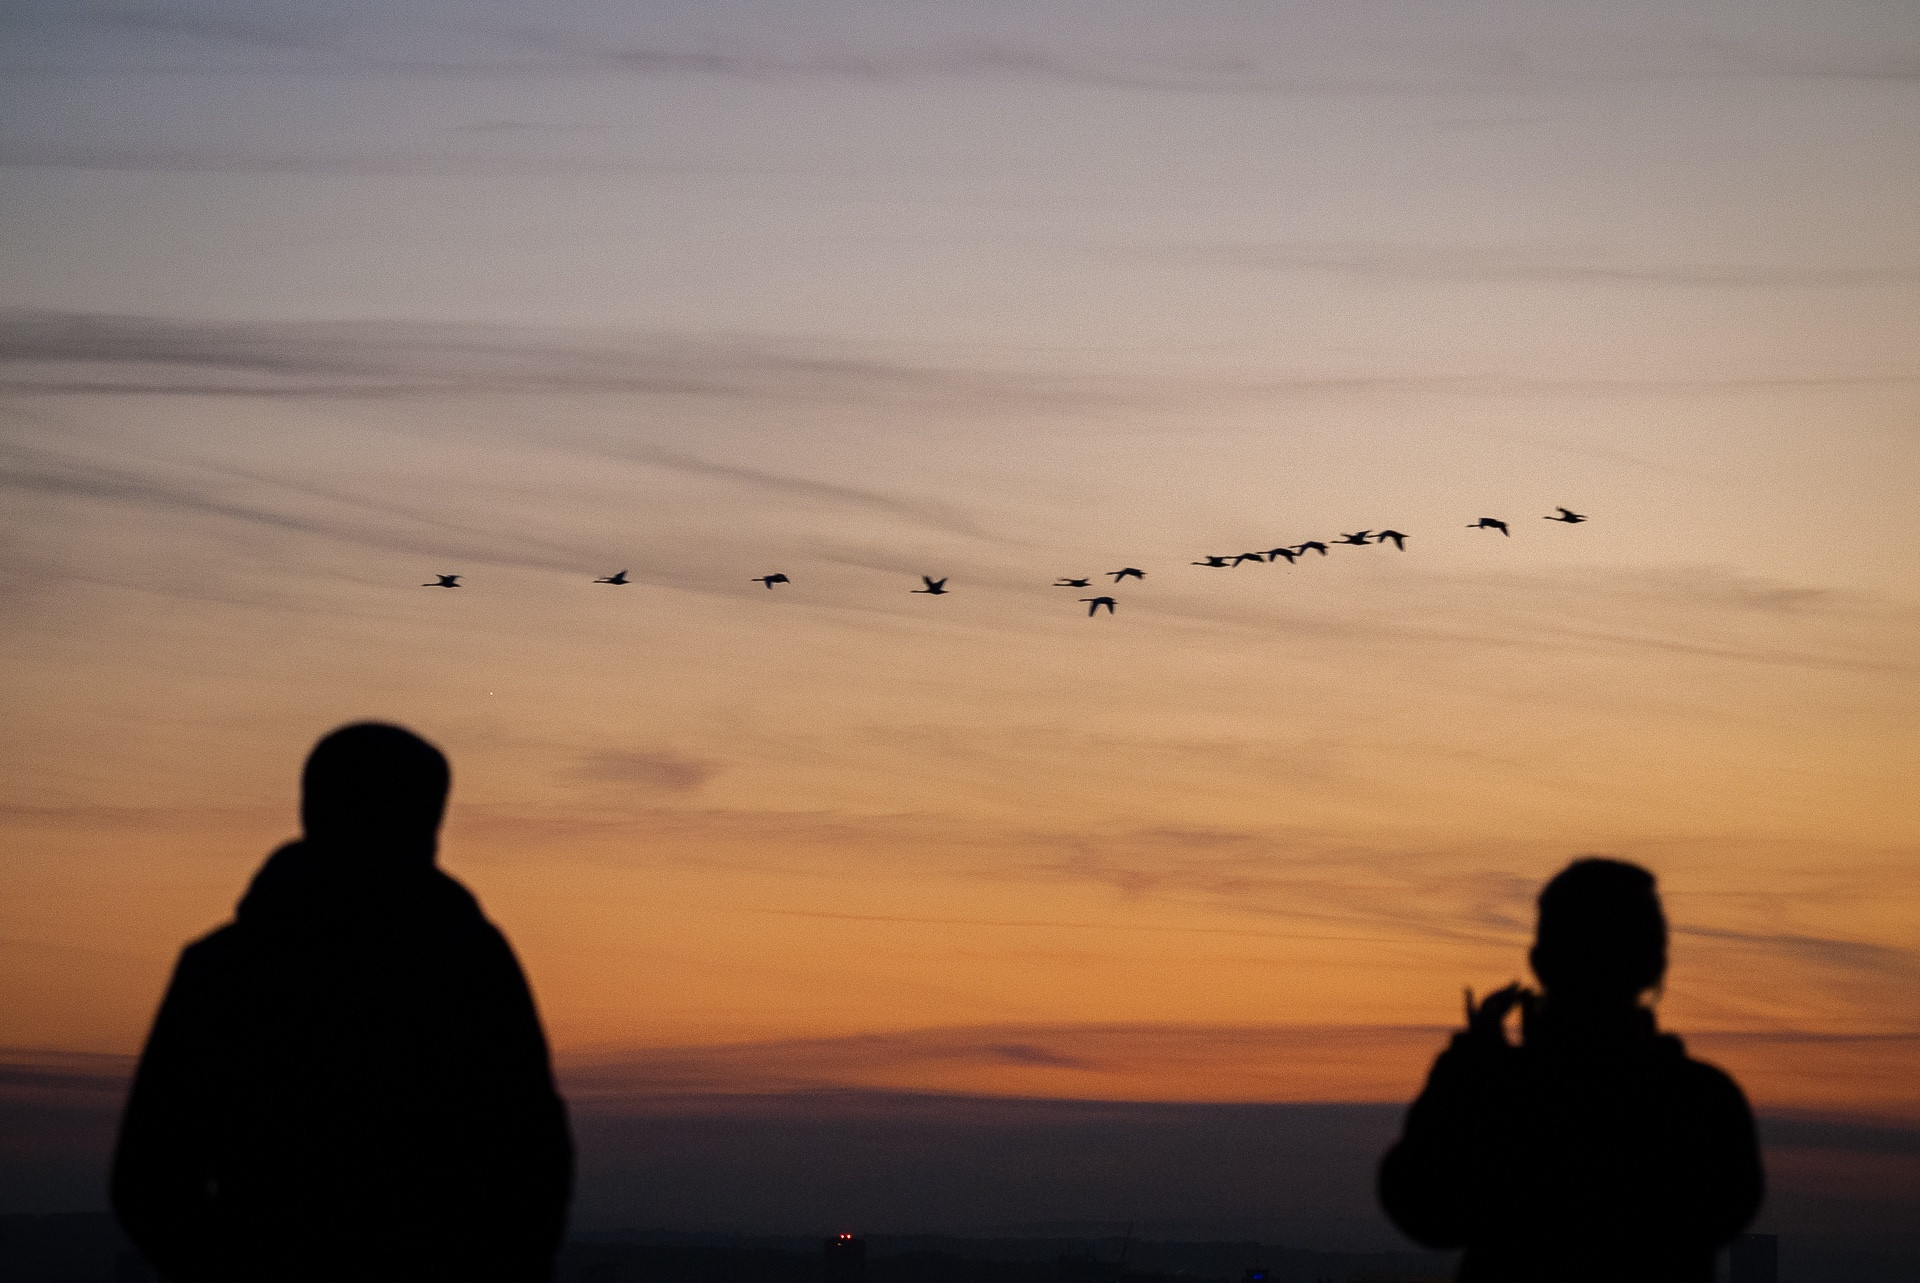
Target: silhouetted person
column 349, row 1081
column 1595, row 1150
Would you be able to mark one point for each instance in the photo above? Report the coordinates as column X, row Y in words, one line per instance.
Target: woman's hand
column 1486, row 1021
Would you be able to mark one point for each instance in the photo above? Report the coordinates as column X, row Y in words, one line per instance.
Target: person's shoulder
column 212, row 949
column 1705, row 1081
column 459, row 911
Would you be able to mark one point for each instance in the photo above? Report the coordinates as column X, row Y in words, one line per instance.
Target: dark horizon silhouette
column 1595, row 1149
column 350, row 1080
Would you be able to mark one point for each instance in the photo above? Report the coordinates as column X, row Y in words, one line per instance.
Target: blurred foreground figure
column 1595, row 1150
column 350, row 1080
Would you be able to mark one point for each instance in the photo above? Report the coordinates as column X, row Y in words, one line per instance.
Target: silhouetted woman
column 349, row 1081
column 1594, row 1150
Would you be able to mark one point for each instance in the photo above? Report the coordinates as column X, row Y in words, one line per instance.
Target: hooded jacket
column 348, row 1081
column 1595, row 1152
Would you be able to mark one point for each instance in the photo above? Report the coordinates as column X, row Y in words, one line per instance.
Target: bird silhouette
column 1215, row 562
column 1247, row 556
column 1313, row 544
column 1276, row 554
column 1491, row 523
column 1095, row 603
column 1360, row 540
column 1127, row 572
column 1567, row 515
column 443, row 581
column 771, row 580
column 1399, row 540
column 1071, row 583
column 934, row 587
column 619, row 578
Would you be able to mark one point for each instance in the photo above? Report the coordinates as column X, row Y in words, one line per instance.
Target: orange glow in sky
column 1247, row 838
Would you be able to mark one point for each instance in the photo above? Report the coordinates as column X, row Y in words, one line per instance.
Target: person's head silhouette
column 1602, row 938
column 374, row 786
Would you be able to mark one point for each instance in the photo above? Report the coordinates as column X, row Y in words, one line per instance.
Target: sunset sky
column 312, row 302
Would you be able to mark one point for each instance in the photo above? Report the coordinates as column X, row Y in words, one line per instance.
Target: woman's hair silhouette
column 1602, row 936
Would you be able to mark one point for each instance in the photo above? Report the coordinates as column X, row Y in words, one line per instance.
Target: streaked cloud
column 27, row 470
column 1086, row 1062
column 1287, row 49
column 92, row 354
column 1522, row 263
column 655, row 769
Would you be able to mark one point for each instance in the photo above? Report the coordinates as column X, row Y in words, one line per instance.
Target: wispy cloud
column 367, row 523
column 1886, row 961
column 1087, row 1061
column 104, row 354
column 514, row 127
column 927, row 512
column 655, row 769
column 1275, row 50
column 45, row 355
column 62, row 353
column 1525, row 263
column 1099, row 1062
column 1051, row 925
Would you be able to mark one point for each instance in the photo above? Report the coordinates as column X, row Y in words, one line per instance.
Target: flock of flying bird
column 1286, row 552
